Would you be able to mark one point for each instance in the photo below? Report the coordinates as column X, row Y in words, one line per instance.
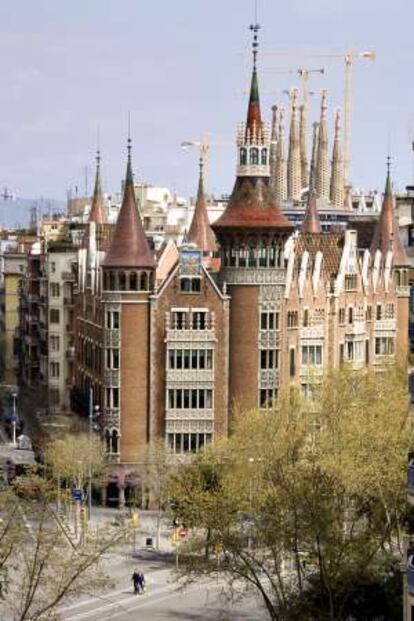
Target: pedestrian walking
column 136, row 581
column 142, row 581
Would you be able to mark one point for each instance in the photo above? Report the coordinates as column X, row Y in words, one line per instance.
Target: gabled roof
column 97, row 213
column 129, row 247
column 329, row 244
column 200, row 232
column 387, row 234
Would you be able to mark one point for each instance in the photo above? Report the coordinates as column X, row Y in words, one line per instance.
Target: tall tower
column 128, row 282
column 294, row 164
column 311, row 222
column 303, row 130
column 322, row 160
column 252, row 232
column 273, row 149
column 387, row 239
column 337, row 172
column 281, row 163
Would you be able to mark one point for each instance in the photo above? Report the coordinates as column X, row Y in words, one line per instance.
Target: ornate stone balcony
column 190, row 336
column 313, row 332
column 190, row 414
column 253, row 276
column 386, row 325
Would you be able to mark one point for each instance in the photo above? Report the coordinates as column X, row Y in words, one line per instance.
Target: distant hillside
column 17, row 213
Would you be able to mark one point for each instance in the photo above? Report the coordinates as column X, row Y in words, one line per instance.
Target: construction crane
column 348, row 57
column 203, row 145
column 303, row 73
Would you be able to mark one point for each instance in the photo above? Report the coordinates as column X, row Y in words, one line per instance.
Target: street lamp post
column 93, row 413
column 14, row 395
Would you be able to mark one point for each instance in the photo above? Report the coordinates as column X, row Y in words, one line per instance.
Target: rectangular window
column 179, row 320
column 269, row 320
column 54, row 289
column 112, row 397
column 384, row 346
column 199, row 320
column 112, row 358
column 369, row 313
column 54, row 315
column 188, row 442
column 341, row 317
column 190, row 285
column 312, row 355
column 341, row 354
column 355, row 350
column 292, row 319
column 379, row 312
column 350, row 314
column 306, row 317
column 112, row 320
column 171, row 359
column 267, row 397
column 269, row 359
column 350, row 282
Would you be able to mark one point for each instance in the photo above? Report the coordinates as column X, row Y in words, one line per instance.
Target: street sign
column 77, row 494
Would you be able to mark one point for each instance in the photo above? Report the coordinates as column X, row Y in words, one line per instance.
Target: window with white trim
column 198, row 359
column 312, row 355
column 384, row 346
column 190, row 398
column 188, row 442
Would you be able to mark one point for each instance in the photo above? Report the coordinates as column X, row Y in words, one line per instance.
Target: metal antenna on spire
column 255, row 29
column 129, row 136
column 98, row 146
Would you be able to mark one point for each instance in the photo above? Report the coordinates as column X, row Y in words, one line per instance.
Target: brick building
column 168, row 343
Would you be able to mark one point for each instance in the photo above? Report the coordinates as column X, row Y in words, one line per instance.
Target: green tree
column 40, row 563
column 307, row 497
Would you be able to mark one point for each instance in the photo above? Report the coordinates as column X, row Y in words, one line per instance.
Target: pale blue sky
column 178, row 65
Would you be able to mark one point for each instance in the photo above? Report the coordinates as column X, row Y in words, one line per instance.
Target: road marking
column 120, row 603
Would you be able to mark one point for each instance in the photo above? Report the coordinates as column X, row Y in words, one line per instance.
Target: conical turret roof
column 200, row 232
column 254, row 117
column 129, row 247
column 97, row 213
column 387, row 234
column 311, row 222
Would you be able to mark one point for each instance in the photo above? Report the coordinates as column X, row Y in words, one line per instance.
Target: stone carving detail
column 313, row 332
column 190, row 336
column 386, row 325
column 251, row 276
column 189, row 415
column 269, row 378
column 111, row 377
column 269, row 340
column 111, row 297
column 111, row 418
column 271, row 293
column 190, row 376
column 194, row 426
column 112, row 338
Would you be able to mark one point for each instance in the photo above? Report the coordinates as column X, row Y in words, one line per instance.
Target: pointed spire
column 97, row 213
column 322, row 160
column 200, row 232
column 281, row 164
column 387, row 234
column 129, row 247
column 293, row 172
column 273, row 149
column 311, row 222
column 337, row 173
column 303, row 129
column 254, row 125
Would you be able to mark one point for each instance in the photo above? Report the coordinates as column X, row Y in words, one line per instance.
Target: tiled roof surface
column 330, row 244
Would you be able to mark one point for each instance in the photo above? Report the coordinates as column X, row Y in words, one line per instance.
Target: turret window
column 122, row 281
column 264, row 157
column 133, row 281
column 143, row 282
column 243, row 156
column 254, row 156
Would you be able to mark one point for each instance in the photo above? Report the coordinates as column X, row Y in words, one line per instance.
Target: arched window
column 112, row 281
column 133, row 281
column 122, row 281
column 107, row 440
column 243, row 156
column 143, row 281
column 254, row 155
column 114, row 442
column 264, row 157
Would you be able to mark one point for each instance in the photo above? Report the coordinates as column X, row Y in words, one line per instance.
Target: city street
column 162, row 600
